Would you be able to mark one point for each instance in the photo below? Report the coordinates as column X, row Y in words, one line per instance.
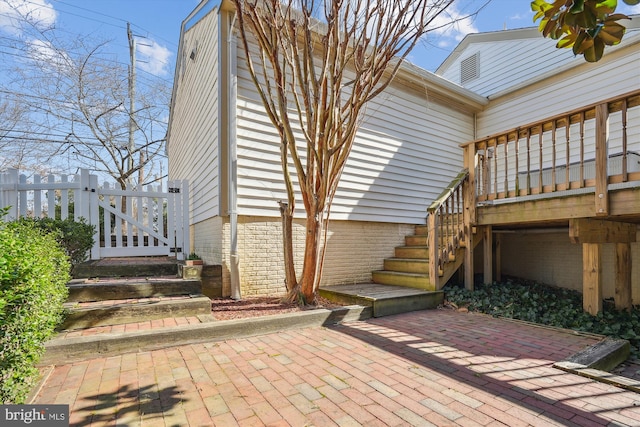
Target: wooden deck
column 384, row 300
column 579, row 171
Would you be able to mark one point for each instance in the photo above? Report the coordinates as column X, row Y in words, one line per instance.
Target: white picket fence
column 135, row 222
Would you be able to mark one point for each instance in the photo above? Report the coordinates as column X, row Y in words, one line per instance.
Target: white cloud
column 45, row 54
column 39, row 13
column 453, row 24
column 155, row 57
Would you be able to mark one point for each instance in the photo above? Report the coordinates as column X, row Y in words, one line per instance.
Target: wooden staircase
column 434, row 252
column 410, row 265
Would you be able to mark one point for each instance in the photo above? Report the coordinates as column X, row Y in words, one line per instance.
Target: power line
column 112, row 17
column 80, row 143
column 165, row 63
column 18, row 95
column 114, row 61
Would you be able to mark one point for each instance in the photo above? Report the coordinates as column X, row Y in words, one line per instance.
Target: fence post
column 81, row 209
column 22, row 198
column 94, row 215
column 172, row 233
column 9, row 192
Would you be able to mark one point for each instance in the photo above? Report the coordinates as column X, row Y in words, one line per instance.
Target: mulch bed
column 227, row 309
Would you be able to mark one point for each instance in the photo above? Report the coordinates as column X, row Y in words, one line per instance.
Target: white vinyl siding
column 193, row 144
column 616, row 74
column 508, row 63
column 505, row 64
column 406, row 152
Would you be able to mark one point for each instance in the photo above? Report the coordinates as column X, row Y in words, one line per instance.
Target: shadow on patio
column 498, row 367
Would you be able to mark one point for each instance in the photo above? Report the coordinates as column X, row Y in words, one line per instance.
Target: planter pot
column 191, row 269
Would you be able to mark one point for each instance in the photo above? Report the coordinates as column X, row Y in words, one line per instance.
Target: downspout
column 234, row 259
column 475, row 126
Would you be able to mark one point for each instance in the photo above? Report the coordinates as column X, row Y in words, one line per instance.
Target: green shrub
column 75, row 237
column 548, row 305
column 34, row 270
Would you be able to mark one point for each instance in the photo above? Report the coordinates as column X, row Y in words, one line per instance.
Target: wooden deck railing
column 587, row 148
column 448, row 227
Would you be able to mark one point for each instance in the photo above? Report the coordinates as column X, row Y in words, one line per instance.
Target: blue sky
column 157, row 23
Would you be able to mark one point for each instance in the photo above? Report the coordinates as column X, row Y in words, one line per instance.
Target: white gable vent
column 470, row 68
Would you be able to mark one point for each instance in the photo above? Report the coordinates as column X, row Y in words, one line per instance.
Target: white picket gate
column 133, row 222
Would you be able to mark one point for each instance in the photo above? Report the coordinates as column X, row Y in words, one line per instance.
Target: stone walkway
column 423, row 368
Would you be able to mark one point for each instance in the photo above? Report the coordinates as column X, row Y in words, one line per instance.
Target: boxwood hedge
column 34, row 270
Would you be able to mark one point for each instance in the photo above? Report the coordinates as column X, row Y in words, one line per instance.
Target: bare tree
column 317, row 66
column 78, row 95
column 10, row 117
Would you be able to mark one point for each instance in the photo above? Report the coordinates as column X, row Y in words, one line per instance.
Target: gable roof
column 498, row 62
column 409, row 75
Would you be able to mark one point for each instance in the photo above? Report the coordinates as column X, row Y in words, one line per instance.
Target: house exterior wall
column 193, row 149
column 406, row 151
column 354, row 250
column 210, row 239
column 615, row 74
column 553, row 259
column 508, row 59
column 525, row 55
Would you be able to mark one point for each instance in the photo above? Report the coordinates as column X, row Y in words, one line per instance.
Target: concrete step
column 413, row 252
column 384, row 300
column 129, row 267
column 82, row 290
column 396, row 278
column 407, row 265
column 117, row 312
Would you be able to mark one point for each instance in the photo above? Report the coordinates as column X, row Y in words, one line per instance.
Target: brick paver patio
column 424, row 368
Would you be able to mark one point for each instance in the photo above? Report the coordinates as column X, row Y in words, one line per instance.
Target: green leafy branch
column 586, row 26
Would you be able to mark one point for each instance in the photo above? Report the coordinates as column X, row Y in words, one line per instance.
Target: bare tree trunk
column 315, row 243
column 310, row 263
column 287, row 244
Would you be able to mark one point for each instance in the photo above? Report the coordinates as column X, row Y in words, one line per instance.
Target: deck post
column 592, row 278
column 487, row 232
column 593, row 233
column 498, row 258
column 469, row 197
column 622, row 297
column 602, row 156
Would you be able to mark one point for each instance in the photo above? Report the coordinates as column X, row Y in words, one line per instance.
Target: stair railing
column 448, row 227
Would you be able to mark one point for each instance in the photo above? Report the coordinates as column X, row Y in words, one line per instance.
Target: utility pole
column 132, row 96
